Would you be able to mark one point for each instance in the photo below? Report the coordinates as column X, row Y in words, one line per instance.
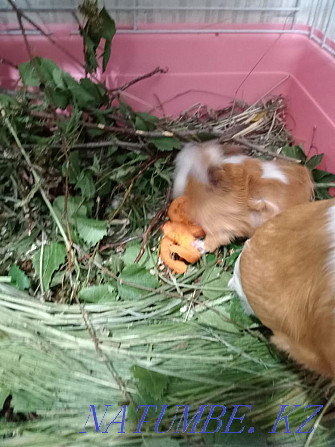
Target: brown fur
column 237, row 199
column 286, row 276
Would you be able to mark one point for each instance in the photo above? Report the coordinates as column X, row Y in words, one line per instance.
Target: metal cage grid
column 314, row 18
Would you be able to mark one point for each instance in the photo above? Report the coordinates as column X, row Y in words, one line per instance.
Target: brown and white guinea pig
column 231, row 194
column 285, row 275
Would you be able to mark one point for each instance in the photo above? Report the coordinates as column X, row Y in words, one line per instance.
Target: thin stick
column 119, row 244
column 96, row 145
column 53, row 41
column 138, row 79
column 124, row 198
column 3, row 60
column 66, row 199
column 262, row 150
column 253, row 68
column 41, row 264
column 19, row 18
column 143, row 133
column 324, row 185
column 153, row 222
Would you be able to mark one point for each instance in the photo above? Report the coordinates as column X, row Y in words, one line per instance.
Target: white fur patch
column 214, row 154
column 199, row 245
column 271, row 171
column 236, row 285
column 331, row 231
column 235, row 159
column 195, row 160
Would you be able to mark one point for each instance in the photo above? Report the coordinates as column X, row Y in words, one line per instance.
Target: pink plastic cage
column 209, row 65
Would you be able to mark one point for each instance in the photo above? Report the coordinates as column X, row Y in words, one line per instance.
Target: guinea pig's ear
column 213, row 176
column 219, row 178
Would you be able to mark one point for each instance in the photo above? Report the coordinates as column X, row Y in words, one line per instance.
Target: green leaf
column 98, row 294
column 54, row 256
column 58, row 78
column 314, row 161
column 46, row 70
column 18, row 278
column 322, row 194
column 29, row 75
column 108, row 32
column 74, row 167
column 145, row 121
column 40, row 71
column 96, row 93
column 238, row 315
column 9, row 101
column 294, row 152
column 165, row 143
column 320, row 176
column 106, row 54
column 108, row 24
column 136, row 275
column 99, row 25
column 75, row 207
column 214, row 282
column 90, row 48
column 131, row 253
column 91, row 230
column 60, row 98
column 153, row 383
column 217, row 318
column 86, row 184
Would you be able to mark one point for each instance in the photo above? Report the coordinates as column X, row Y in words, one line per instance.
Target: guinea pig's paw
column 199, row 245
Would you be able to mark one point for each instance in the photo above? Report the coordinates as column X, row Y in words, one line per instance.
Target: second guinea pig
column 231, row 194
column 285, row 275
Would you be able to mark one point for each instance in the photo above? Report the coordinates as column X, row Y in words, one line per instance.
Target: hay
column 82, row 196
column 51, row 366
column 59, row 357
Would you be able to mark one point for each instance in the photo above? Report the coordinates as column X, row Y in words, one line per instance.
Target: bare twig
column 21, row 13
column 262, row 150
column 124, row 198
column 160, row 213
column 324, row 185
column 226, row 133
column 118, row 90
column 66, row 198
column 19, row 18
column 3, row 60
column 129, row 145
column 120, row 243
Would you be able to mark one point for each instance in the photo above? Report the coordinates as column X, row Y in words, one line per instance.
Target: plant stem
column 324, row 185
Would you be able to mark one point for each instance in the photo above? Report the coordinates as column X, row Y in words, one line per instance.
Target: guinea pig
column 285, row 275
column 231, row 194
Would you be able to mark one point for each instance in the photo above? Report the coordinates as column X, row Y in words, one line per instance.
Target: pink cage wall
column 210, row 68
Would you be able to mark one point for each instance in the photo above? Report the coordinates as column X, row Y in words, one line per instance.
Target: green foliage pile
column 82, row 175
